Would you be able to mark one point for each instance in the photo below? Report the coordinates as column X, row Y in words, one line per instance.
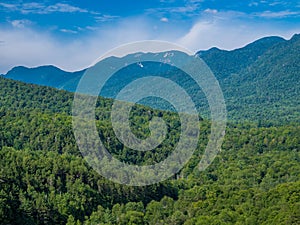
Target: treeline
column 44, row 179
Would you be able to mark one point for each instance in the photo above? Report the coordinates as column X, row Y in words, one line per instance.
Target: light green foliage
column 44, row 180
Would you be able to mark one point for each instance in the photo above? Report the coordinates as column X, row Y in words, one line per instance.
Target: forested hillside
column 44, row 180
column 260, row 81
column 270, row 87
column 45, row 75
column 225, row 63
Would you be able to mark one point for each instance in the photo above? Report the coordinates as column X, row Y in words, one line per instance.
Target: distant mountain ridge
column 224, row 63
column 43, row 75
column 260, row 81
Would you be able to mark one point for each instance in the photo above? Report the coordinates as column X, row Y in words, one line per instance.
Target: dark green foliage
column 224, row 63
column 254, row 180
column 260, row 81
column 270, row 88
column 16, row 96
column 46, row 75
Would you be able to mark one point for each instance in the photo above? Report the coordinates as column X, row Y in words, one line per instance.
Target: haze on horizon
column 72, row 35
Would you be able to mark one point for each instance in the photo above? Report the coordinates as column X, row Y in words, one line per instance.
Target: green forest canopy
column 44, row 180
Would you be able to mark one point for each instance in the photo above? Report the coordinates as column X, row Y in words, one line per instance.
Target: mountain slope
column 270, row 87
column 45, row 75
column 260, row 81
column 45, row 180
column 224, row 63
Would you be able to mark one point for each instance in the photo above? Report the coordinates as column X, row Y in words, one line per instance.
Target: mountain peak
column 296, row 37
column 213, row 50
column 47, row 75
column 18, row 69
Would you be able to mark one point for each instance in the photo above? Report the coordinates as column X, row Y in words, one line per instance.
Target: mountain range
column 260, row 81
column 254, row 178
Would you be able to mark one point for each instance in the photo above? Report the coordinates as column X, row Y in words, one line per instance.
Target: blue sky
column 72, row 34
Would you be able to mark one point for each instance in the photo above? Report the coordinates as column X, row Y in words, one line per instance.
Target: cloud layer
column 23, row 41
column 41, row 8
column 28, row 47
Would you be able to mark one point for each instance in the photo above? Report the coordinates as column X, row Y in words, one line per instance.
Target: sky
column 73, row 34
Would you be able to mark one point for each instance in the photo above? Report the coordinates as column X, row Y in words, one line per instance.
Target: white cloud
column 251, row 4
column 60, row 7
column 211, row 11
column 41, row 8
column 183, row 9
column 105, row 18
column 280, row 14
column 187, row 10
column 234, row 29
column 164, row 19
column 167, row 1
column 32, row 7
column 33, row 48
column 9, row 6
column 69, row 31
column 229, row 35
column 281, row 3
column 21, row 23
column 196, row 1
